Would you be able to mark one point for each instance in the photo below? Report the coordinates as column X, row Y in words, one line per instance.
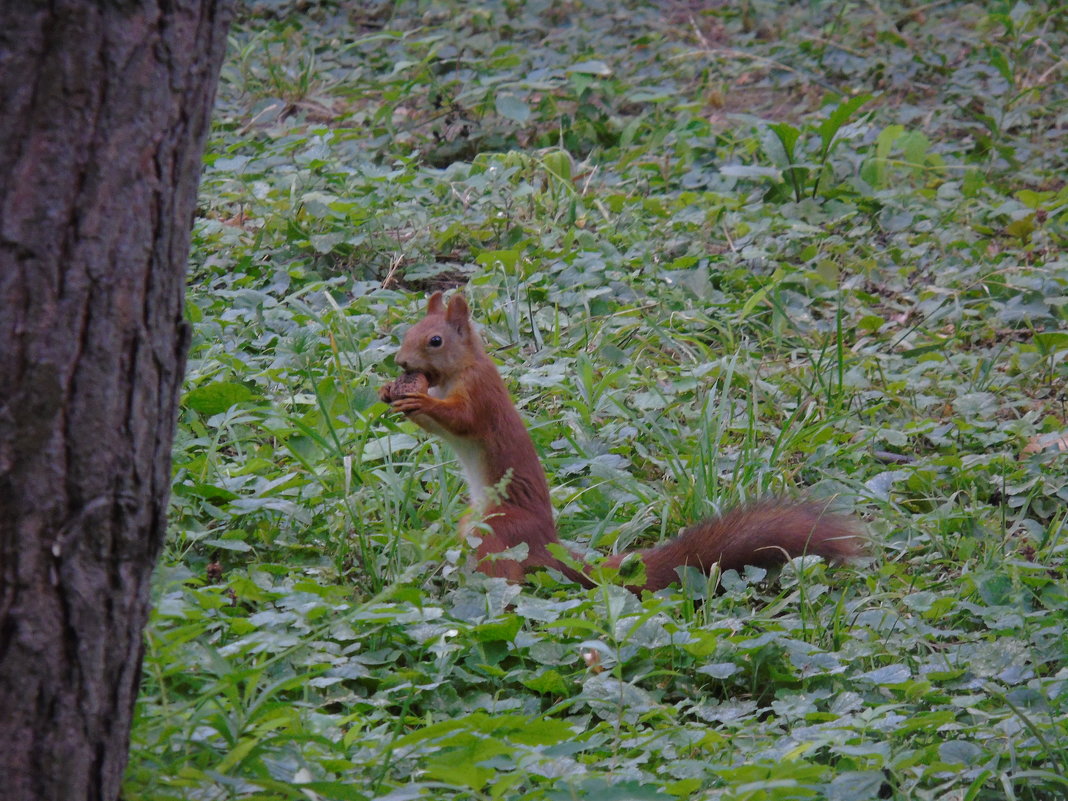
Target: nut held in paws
column 409, row 383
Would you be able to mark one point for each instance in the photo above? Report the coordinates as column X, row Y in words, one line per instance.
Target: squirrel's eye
column 435, row 341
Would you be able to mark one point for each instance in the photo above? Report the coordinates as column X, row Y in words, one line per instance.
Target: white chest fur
column 468, row 451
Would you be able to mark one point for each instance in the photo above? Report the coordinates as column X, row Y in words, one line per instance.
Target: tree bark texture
column 104, row 110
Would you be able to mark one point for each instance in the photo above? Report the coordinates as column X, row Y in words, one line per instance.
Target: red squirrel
column 452, row 389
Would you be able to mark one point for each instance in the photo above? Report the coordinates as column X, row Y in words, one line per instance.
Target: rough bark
column 104, row 109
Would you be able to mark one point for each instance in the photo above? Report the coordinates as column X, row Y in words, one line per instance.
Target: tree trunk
column 104, row 109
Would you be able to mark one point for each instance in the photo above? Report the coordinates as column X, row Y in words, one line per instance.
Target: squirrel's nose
column 402, row 362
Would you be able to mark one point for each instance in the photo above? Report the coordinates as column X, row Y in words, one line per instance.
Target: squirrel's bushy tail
column 763, row 534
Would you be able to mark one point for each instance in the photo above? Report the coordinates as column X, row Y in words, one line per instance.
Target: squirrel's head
column 443, row 343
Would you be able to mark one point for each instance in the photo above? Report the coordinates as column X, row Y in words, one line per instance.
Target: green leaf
column 915, row 146
column 891, row 674
column 787, row 136
column 216, row 397
column 1021, row 228
column 325, row 243
column 511, row 107
column 229, row 545
column 598, row 68
column 1001, row 63
column 855, row 785
column 1049, row 342
column 884, row 145
column 632, row 570
column 558, row 162
column 750, row 171
column 841, row 114
column 506, row 258
column 503, row 629
column 719, row 670
column 549, row 683
column 960, row 752
column 758, row 296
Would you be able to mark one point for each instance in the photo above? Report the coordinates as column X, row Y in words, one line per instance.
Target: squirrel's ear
column 435, row 304
column 457, row 313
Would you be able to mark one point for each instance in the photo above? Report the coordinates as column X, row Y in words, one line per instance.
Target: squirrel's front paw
column 414, row 403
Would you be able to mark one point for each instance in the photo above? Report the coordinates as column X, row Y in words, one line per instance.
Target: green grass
column 718, row 252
